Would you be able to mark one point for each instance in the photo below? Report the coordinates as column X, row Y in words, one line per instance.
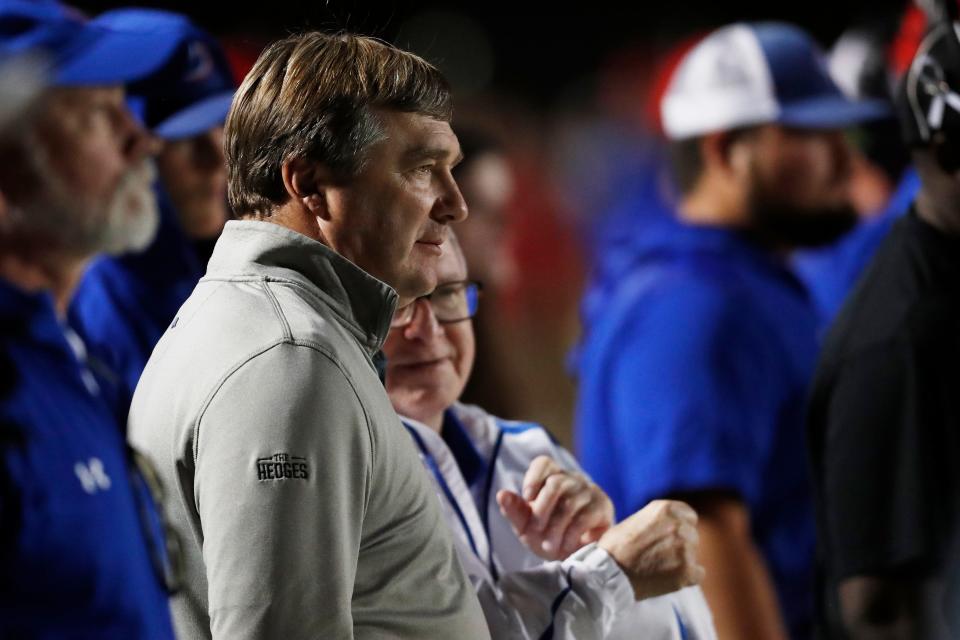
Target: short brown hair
column 312, row 96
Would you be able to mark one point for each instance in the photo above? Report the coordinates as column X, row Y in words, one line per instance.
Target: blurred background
column 559, row 105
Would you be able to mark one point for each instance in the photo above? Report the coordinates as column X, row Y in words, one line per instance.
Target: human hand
column 559, row 511
column 657, row 548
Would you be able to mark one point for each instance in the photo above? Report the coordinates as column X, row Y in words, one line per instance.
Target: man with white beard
column 75, row 195
column 124, row 303
column 83, row 547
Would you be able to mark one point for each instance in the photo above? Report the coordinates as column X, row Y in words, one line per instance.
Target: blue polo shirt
column 693, row 373
column 77, row 538
column 124, row 304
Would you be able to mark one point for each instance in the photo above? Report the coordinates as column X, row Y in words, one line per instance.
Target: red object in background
column 624, row 83
column 550, row 264
column 907, row 41
column 242, row 52
column 913, row 25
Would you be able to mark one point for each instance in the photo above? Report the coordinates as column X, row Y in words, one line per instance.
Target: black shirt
column 884, row 419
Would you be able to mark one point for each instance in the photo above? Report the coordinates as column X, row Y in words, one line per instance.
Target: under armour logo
column 92, row 476
column 200, row 61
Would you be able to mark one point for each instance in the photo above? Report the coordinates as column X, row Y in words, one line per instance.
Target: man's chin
column 417, row 401
column 413, row 285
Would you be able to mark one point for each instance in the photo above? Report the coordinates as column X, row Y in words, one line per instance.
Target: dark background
column 533, row 52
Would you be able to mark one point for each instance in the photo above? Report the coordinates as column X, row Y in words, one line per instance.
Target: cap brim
column 115, row 57
column 833, row 112
column 197, row 118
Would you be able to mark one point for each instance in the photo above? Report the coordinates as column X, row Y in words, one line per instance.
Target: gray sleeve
column 282, row 469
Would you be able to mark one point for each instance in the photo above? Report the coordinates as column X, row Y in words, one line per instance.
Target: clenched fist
column 657, row 548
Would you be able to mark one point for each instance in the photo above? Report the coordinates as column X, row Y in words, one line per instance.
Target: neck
column 435, row 422
column 44, row 271
column 296, row 217
column 712, row 205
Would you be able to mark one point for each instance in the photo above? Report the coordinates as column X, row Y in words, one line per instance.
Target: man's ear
column 306, row 182
column 727, row 153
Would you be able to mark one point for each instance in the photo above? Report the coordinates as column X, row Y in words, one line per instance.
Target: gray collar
column 270, row 251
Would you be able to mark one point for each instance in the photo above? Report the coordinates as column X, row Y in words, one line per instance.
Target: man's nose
column 138, row 143
column 450, row 206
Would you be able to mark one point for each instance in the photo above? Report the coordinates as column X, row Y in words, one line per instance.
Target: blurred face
column 487, row 186
column 799, row 186
column 391, row 218
column 194, row 174
column 428, row 363
column 89, row 173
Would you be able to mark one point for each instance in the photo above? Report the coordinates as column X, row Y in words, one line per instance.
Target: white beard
column 126, row 222
column 132, row 215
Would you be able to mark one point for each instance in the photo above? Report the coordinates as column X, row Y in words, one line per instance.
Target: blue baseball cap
column 80, row 52
column 749, row 74
column 192, row 90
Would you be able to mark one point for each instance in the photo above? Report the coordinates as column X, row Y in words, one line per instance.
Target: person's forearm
column 737, row 585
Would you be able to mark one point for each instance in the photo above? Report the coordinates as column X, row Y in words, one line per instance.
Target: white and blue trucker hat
column 749, row 74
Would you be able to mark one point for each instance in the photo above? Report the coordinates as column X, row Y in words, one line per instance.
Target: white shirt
column 586, row 595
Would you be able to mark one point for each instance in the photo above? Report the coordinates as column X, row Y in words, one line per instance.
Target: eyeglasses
column 451, row 302
column 166, row 553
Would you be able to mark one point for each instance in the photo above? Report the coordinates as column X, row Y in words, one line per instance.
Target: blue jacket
column 693, row 372
column 79, row 529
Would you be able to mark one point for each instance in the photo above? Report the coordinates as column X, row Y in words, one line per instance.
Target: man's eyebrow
column 416, row 154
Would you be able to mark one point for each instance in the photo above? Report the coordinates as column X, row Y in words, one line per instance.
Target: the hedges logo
column 282, row 466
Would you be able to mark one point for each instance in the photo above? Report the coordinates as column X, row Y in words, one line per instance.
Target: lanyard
column 435, row 470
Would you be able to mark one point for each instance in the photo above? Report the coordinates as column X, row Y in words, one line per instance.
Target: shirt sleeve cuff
column 601, row 573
